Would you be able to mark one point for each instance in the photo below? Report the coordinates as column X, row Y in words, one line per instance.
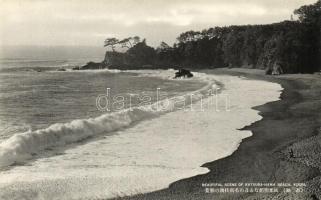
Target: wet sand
column 290, row 123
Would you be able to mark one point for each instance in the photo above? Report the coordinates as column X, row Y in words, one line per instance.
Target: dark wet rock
column 93, row 65
column 61, row 69
column 183, row 73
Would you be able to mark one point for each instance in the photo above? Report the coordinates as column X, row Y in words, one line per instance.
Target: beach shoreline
column 171, row 150
column 263, row 157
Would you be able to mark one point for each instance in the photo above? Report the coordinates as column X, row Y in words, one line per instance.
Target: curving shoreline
column 287, row 124
column 263, row 157
column 172, row 149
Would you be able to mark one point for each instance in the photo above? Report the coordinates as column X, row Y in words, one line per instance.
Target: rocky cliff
column 137, row 57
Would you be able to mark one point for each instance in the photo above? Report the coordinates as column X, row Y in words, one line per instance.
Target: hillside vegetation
column 284, row 47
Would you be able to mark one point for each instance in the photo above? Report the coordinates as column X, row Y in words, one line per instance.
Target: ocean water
column 56, row 144
column 34, row 97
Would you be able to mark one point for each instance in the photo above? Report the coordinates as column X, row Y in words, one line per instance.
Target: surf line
column 107, row 102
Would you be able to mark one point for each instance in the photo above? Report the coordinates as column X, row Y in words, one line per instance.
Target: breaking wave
column 23, row 146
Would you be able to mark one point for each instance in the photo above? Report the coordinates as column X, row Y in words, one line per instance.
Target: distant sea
column 34, row 95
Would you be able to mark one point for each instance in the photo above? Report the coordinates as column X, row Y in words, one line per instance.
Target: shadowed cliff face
column 116, row 59
column 139, row 56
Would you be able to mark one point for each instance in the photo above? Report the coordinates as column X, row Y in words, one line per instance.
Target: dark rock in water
column 183, row 73
column 61, row 69
column 75, row 68
column 93, row 65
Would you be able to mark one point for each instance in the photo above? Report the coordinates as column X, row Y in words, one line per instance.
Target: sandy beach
column 290, row 124
column 146, row 156
column 263, row 129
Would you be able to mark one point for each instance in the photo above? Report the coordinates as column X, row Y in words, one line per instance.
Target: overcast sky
column 89, row 22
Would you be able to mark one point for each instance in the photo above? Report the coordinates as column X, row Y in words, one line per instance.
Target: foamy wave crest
column 115, row 71
column 22, row 146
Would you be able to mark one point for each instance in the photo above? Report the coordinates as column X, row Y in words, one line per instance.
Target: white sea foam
column 94, row 71
column 22, row 146
column 148, row 156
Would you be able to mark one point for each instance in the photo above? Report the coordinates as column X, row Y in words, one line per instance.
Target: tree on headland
column 136, row 39
column 290, row 46
column 310, row 13
column 163, row 47
column 129, row 42
column 189, row 36
column 124, row 43
column 111, row 42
